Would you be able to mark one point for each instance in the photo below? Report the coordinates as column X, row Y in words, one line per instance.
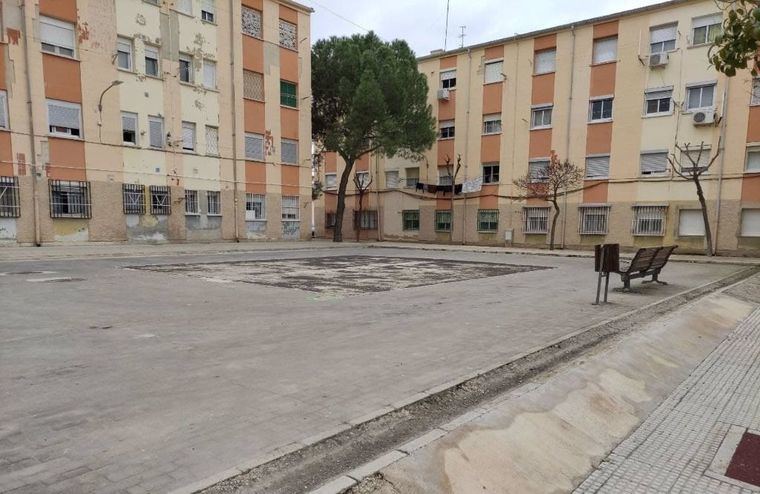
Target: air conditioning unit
column 443, row 94
column 658, row 59
column 703, row 117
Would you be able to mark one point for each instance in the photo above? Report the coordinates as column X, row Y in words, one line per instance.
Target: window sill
column 288, row 107
column 595, row 179
column 189, row 151
column 212, row 155
column 648, row 234
column 289, row 164
column 542, row 127
column 493, row 82
column 188, row 84
column 690, row 111
column 600, row 121
column 593, row 234
column 192, row 214
column 214, row 215
column 126, row 71
column 657, row 115
column 252, row 36
column 65, row 57
column 154, row 77
column 255, row 220
column 210, row 23
column 536, row 233
column 190, row 15
column 544, row 73
column 66, row 136
column 694, row 236
column 700, row 45
column 655, row 175
column 446, row 138
column 254, row 99
column 608, row 62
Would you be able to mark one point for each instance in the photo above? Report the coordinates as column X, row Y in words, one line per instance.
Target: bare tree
column 361, row 189
column 550, row 184
column 693, row 172
column 452, row 171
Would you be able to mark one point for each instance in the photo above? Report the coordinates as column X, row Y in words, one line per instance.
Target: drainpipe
column 234, row 122
column 30, row 106
column 721, row 159
column 466, row 153
column 567, row 132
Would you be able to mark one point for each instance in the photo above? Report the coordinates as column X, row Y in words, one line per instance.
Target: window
column 64, row 119
column 366, row 221
column 544, row 61
column 57, row 37
column 706, row 28
column 254, row 147
column 541, row 117
column 654, row 162
column 212, row 140
column 188, row 136
column 492, row 124
column 191, row 202
column 255, row 207
column 331, row 181
column 443, row 176
column 750, row 223
column 251, row 22
column 410, row 219
column 605, row 50
column 253, row 85
column 412, row 177
column 538, row 170
column 129, row 128
column 4, row 110
column 449, row 79
column 184, row 6
column 658, row 101
column 755, row 99
column 700, row 96
column 597, row 167
column 288, row 35
column 209, row 74
column 363, row 179
column 494, row 72
column 160, row 200
column 152, row 66
column 186, row 68
column 488, row 220
column 691, row 223
column 9, row 201
column 600, row 109
column 133, row 198
column 662, row 38
column 214, row 202
column 447, row 130
column 290, row 209
column 288, row 94
column 70, row 199
column 124, row 52
column 535, row 220
column 694, row 157
column 649, row 220
column 443, row 221
column 593, row 220
column 391, row 179
column 753, row 159
column 289, row 151
column 330, row 220
column 208, row 11
column 156, row 130
column 491, row 173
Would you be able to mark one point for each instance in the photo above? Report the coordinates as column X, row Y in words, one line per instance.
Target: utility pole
column 461, row 36
column 446, row 32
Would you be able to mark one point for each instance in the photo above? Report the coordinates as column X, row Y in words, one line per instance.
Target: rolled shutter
column 691, row 223
column 545, row 61
column 188, row 136
column 654, row 163
column 3, row 110
column 663, row 33
column 605, row 50
column 598, row 167
column 156, row 129
column 129, row 122
column 63, row 116
column 493, row 72
column 57, row 33
column 751, row 223
column 707, row 20
column 254, row 147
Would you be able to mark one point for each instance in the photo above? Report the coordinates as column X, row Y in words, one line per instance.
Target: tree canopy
column 738, row 46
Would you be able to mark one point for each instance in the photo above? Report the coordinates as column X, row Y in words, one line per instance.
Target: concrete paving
column 118, row 380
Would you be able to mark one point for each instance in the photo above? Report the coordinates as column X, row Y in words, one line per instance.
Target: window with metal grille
column 64, row 118
column 209, row 74
column 129, row 128
column 753, row 159
column 597, row 167
column 391, row 179
column 443, row 176
column 494, row 72
column 208, row 11
column 156, row 131
column 288, row 35
column 212, row 140
column 331, row 181
column 188, row 136
column 490, row 173
column 186, row 71
column 251, row 20
column 658, row 101
column 649, row 220
column 544, row 61
column 253, row 85
column 410, row 219
column 449, row 79
column 750, row 223
column 330, row 220
column 412, row 177
column 214, row 202
column 706, row 28
column 9, row 198
column 4, row 110
column 654, row 162
column 290, row 208
column 289, row 151
column 124, row 53
column 133, row 198
column 541, row 117
column 57, row 37
column 191, row 202
column 443, row 221
column 593, row 219
column 492, row 124
column 160, row 200
column 538, row 170
column 536, row 220
column 255, row 207
column 600, row 109
column 254, row 147
column 605, row 50
column 700, row 96
column 447, row 129
column 288, row 94
column 69, row 199
column 662, row 38
column 755, row 99
column 366, row 221
column 152, row 64
column 488, row 220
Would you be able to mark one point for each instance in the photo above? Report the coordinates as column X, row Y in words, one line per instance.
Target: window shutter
column 209, row 74
column 3, row 110
column 151, row 52
column 691, row 223
column 598, row 167
column 188, row 135
column 751, row 223
column 654, row 163
column 156, row 130
column 185, row 6
column 663, row 33
column 253, row 85
column 251, row 20
column 753, row 160
column 208, row 6
column 665, row 93
column 129, row 122
column 493, row 72
column 254, row 147
column 605, row 50
column 448, row 75
column 57, row 33
column 545, row 61
column 391, row 180
column 707, row 20
column 63, row 115
column 212, row 140
column 289, row 150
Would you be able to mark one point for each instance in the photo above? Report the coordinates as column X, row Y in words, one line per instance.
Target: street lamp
column 100, row 106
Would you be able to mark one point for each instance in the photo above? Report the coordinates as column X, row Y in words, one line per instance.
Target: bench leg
column 626, row 283
column 656, row 279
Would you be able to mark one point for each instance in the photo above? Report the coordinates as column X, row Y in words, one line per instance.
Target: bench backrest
column 662, row 256
column 643, row 259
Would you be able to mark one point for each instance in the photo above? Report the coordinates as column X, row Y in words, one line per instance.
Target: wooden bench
column 646, row 262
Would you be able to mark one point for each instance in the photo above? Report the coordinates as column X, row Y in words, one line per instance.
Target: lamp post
column 100, row 108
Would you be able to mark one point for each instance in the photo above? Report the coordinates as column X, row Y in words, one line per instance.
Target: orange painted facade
column 3, row 53
column 599, row 138
column 290, row 180
column 753, row 124
column 63, row 79
column 603, row 79
column 288, row 14
column 543, row 89
column 6, row 154
column 445, row 149
column 540, row 144
column 255, row 177
column 606, row 30
column 253, row 112
column 447, row 109
column 490, row 149
column 595, row 191
column 751, row 188
column 488, row 197
column 67, row 159
column 492, row 98
column 65, row 10
column 288, row 65
column 289, row 123
column 331, row 162
column 253, row 54
column 545, row 42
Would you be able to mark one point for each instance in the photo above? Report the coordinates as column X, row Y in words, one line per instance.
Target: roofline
column 554, row 29
column 297, row 6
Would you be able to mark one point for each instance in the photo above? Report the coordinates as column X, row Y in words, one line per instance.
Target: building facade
column 614, row 95
column 154, row 120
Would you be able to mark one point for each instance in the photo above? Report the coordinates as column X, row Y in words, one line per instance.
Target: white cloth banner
column 471, row 186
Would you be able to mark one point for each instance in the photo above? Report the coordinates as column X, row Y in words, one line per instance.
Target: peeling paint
column 71, row 230
column 13, row 35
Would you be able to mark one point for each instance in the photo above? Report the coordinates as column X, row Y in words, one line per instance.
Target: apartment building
column 154, row 120
column 614, row 95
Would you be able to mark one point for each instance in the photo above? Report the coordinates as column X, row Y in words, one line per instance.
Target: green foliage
column 738, row 46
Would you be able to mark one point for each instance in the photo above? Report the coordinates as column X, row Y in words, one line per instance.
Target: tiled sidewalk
column 675, row 449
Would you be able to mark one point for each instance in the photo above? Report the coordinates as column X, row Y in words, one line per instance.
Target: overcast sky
column 422, row 22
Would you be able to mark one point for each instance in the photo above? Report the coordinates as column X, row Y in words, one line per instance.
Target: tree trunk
column 358, row 216
column 554, row 222
column 705, row 217
column 341, row 207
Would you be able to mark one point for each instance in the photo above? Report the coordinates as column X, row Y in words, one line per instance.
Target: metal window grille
column 160, row 200
column 255, row 207
column 649, row 220
column 288, row 94
column 69, row 199
column 597, row 167
column 443, row 221
column 251, row 22
column 488, row 220
column 133, row 197
column 538, row 170
column 653, row 163
column 367, row 220
column 4, row 110
column 290, row 208
column 289, row 150
column 288, row 35
column 412, row 177
column 491, row 174
column 330, row 220
column 449, row 79
column 191, row 202
column 156, row 131
column 410, row 219
column 254, row 147
column 391, row 179
column 214, row 202
column 9, row 198
column 593, row 220
column 536, row 220
column 253, row 85
column 212, row 140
